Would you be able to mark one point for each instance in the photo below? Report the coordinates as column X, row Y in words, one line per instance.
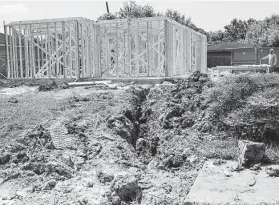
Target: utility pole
column 107, row 6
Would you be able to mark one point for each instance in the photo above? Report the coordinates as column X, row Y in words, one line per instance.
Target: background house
column 234, row 53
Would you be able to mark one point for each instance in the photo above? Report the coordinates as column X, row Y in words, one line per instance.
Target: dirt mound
column 48, row 86
column 38, row 137
column 244, row 106
column 30, row 152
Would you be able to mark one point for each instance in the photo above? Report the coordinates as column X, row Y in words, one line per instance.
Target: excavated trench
column 131, row 123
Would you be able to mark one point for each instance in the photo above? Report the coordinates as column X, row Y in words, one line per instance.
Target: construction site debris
column 273, row 170
column 13, row 100
column 125, row 188
column 4, row 158
column 48, row 86
column 250, row 153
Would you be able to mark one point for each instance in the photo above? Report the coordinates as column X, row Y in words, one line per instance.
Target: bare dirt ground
column 99, row 144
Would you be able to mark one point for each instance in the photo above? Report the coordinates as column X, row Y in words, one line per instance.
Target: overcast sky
column 209, row 15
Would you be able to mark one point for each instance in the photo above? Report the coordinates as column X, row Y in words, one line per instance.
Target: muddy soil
column 85, row 145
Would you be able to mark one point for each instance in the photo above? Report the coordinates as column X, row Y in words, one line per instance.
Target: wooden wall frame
column 81, row 48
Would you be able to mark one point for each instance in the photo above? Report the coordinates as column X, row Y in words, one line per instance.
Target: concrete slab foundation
column 143, row 80
column 138, row 80
column 217, row 184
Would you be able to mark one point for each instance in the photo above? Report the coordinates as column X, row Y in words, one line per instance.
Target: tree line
column 260, row 32
column 264, row 33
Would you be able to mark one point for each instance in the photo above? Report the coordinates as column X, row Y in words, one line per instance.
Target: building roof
column 227, row 46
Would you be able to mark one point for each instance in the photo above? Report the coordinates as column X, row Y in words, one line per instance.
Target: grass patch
column 245, row 106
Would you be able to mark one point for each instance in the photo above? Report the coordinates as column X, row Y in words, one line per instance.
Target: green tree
column 180, row 18
column 132, row 10
column 216, row 37
column 263, row 33
column 236, row 29
column 272, row 34
column 255, row 33
column 175, row 15
column 272, row 20
column 107, row 16
column 251, row 21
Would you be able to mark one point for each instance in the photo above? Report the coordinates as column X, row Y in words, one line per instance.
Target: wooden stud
column 26, row 61
column 189, row 46
column 89, row 51
column 44, row 55
column 171, row 70
column 169, row 42
column 95, row 51
column 16, row 53
column 205, row 54
column 88, row 63
column 191, row 51
column 32, row 55
column 56, row 70
column 38, row 53
column 117, row 50
column 11, row 52
column 181, row 46
column 20, row 53
column 94, row 47
column 151, row 51
column 137, row 48
column 111, row 54
column 158, row 67
column 106, row 50
column 70, row 63
column 129, row 47
column 124, row 49
column 82, row 50
column 147, row 48
column 153, row 35
column 49, row 51
column 174, row 50
column 7, row 51
column 86, row 50
column 166, row 37
column 98, row 53
column 64, row 69
column 77, row 52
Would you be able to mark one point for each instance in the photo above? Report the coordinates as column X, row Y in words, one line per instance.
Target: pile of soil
column 31, row 153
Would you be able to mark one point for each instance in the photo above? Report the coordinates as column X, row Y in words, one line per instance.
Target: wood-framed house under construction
column 81, row 48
